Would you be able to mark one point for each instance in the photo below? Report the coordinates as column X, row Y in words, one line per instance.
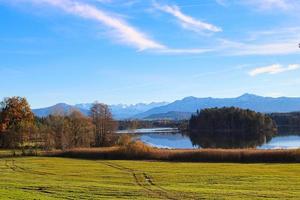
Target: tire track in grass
column 11, row 164
column 146, row 182
column 140, row 180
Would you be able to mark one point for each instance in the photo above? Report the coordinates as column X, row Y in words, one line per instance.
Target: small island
column 230, row 127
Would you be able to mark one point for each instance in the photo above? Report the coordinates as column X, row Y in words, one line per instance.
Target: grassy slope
column 59, row 178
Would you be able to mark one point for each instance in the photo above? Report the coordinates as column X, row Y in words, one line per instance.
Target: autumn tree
column 104, row 124
column 2, row 135
column 79, row 130
column 54, row 135
column 17, row 122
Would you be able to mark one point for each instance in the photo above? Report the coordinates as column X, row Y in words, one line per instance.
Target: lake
column 171, row 138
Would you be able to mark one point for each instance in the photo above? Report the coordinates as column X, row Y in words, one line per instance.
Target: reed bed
column 140, row 151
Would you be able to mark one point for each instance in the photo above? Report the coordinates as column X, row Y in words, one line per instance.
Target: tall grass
column 129, row 149
column 137, row 150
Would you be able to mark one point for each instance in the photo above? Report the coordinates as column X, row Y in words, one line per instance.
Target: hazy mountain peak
column 246, row 101
column 190, row 98
column 61, row 105
column 186, row 105
column 119, row 111
column 247, row 96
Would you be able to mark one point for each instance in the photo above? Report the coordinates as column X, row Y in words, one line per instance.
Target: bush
column 124, row 140
column 137, row 148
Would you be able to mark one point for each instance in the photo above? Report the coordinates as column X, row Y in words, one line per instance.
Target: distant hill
column 172, row 115
column 61, row 109
column 120, row 111
column 182, row 108
column 247, row 101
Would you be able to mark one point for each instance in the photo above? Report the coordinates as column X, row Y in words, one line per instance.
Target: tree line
column 230, row 128
column 287, row 123
column 140, row 123
column 20, row 129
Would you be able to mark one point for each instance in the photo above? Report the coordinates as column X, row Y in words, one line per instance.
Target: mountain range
column 120, row 111
column 182, row 109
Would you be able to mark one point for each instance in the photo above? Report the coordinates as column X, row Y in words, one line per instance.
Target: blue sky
column 118, row 51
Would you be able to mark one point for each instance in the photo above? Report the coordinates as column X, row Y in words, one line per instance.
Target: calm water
column 171, row 138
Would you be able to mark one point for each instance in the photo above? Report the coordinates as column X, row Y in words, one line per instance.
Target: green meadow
column 64, row 178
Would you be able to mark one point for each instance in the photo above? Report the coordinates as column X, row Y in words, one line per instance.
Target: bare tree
column 105, row 126
column 78, row 130
column 53, row 132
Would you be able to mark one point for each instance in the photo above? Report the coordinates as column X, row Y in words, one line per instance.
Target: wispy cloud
column 124, row 32
column 120, row 30
column 118, row 2
column 222, row 2
column 187, row 21
column 281, row 41
column 264, row 5
column 261, row 49
column 272, row 4
column 273, row 69
column 183, row 51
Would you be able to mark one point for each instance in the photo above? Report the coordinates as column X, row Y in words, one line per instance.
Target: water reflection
column 173, row 139
column 228, row 141
column 283, row 142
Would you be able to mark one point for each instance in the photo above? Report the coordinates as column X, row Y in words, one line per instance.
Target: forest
column 227, row 127
column 20, row 129
column 287, row 123
column 230, row 128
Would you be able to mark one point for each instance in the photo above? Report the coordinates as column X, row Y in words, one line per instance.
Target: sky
column 118, row 51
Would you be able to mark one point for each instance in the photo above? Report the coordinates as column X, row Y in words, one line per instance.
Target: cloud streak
column 273, row 69
column 124, row 32
column 120, row 29
column 187, row 21
column 272, row 4
column 282, row 41
column 261, row 49
column 264, row 5
column 183, row 51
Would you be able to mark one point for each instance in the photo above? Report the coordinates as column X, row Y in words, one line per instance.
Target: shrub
column 137, row 149
column 124, row 140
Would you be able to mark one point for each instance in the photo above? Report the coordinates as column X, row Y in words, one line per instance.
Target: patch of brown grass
column 137, row 150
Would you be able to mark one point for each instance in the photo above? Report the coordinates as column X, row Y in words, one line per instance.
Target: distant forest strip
column 189, row 155
column 287, row 123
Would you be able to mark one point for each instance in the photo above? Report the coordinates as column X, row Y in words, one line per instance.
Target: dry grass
column 139, row 151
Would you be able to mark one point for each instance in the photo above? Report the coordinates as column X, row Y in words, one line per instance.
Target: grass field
column 64, row 178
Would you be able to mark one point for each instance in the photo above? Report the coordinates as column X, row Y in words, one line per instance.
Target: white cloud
column 186, row 21
column 264, row 5
column 279, row 48
column 118, row 2
column 104, row 1
column 281, row 41
column 222, row 2
column 273, row 69
column 120, row 29
column 271, row 4
column 183, row 51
